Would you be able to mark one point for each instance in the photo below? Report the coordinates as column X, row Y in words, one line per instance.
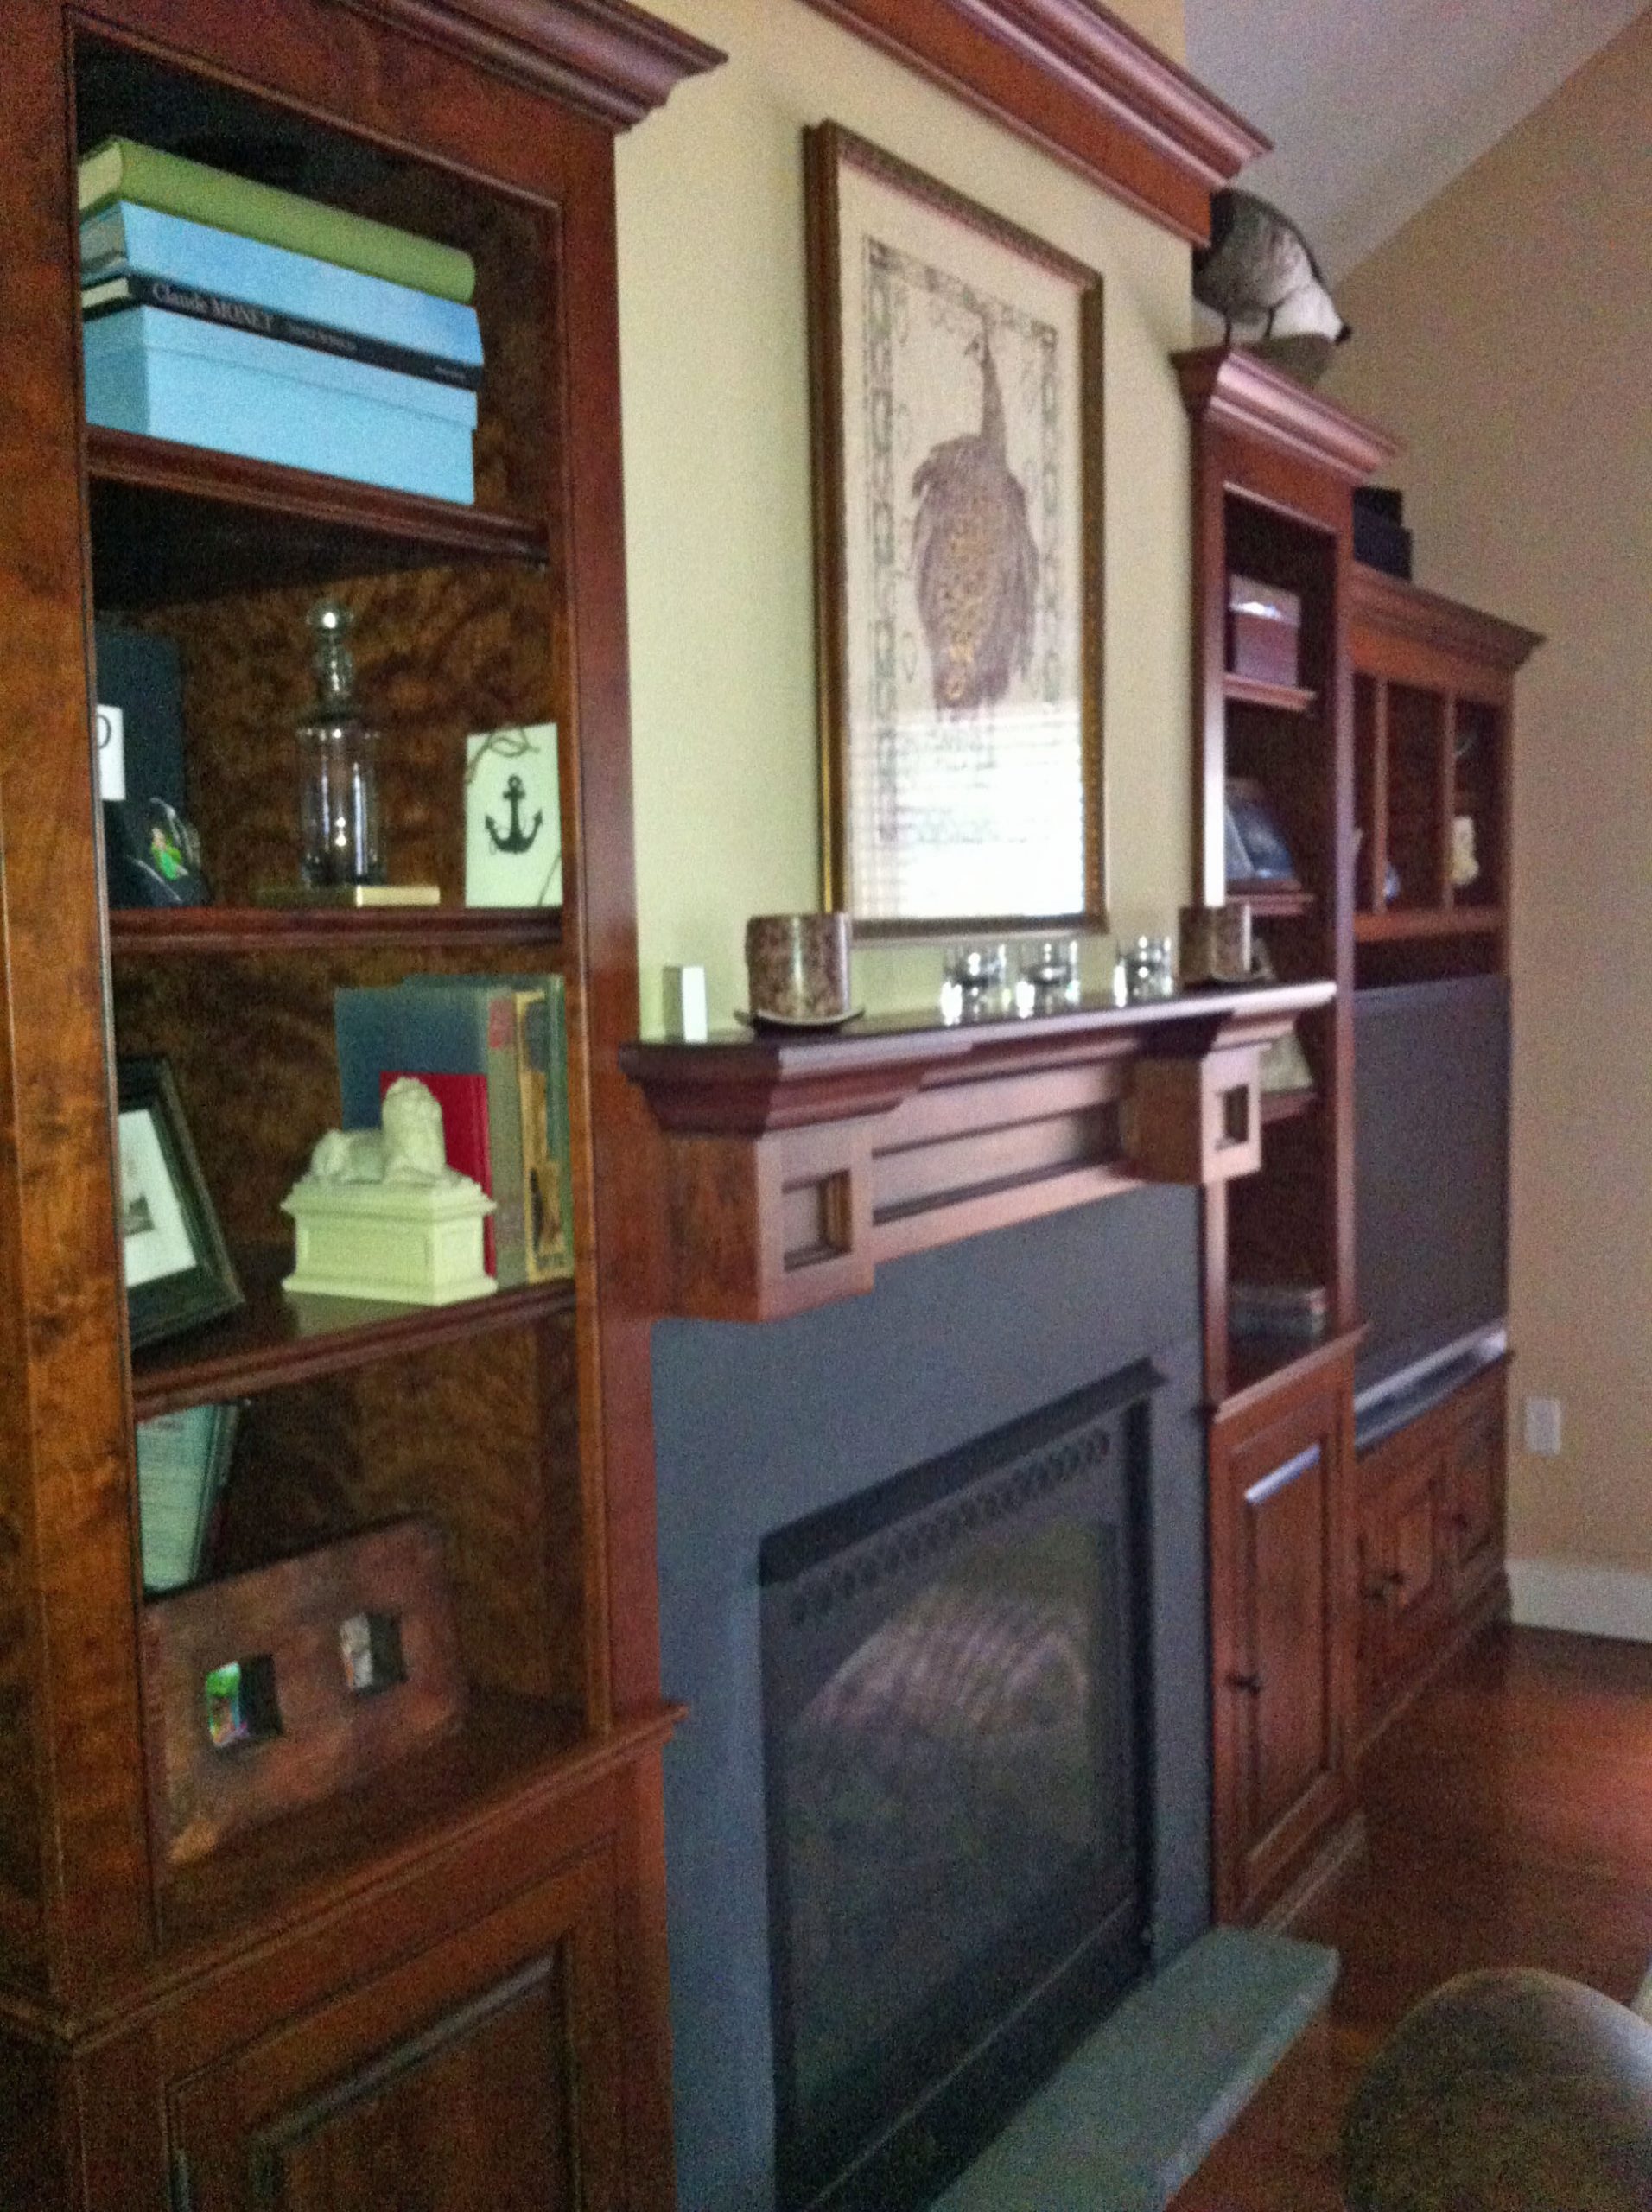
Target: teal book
column 169, row 376
column 125, row 239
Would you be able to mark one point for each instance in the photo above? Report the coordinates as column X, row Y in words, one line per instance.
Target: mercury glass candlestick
column 340, row 829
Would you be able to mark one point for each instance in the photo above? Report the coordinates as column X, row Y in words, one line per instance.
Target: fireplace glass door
column 954, row 1703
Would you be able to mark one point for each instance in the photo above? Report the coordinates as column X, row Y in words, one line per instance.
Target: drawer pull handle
column 1251, row 1684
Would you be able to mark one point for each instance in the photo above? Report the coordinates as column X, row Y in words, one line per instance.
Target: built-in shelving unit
column 1275, row 467
column 1433, row 702
column 364, row 1947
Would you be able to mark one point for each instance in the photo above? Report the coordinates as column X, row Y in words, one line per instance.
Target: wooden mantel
column 795, row 1164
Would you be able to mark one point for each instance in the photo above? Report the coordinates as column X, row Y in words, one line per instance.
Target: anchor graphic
column 519, row 839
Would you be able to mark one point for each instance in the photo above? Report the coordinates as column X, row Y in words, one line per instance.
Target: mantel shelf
column 795, row 1165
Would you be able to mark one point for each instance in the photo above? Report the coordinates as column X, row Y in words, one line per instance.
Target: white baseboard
column 1588, row 1600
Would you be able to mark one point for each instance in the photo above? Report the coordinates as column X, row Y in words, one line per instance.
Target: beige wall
column 717, row 479
column 1506, row 334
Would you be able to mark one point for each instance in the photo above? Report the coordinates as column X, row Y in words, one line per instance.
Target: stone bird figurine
column 974, row 562
column 1258, row 269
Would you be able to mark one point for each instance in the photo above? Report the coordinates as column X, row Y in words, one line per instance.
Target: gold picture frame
column 955, row 393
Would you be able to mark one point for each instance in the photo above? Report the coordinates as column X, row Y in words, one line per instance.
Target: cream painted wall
column 717, row 481
column 1506, row 335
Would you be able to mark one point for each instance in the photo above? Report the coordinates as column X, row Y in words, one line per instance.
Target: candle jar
column 340, row 828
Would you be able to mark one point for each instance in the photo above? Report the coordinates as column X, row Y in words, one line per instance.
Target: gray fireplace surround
column 756, row 1427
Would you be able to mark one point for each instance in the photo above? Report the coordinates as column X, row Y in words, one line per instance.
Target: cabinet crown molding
column 1391, row 605
column 1232, row 390
column 1071, row 77
column 611, row 61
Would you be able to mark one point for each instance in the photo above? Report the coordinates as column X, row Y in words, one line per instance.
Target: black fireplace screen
column 954, row 1704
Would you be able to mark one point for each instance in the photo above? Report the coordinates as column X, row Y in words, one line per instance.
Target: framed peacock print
column 956, row 397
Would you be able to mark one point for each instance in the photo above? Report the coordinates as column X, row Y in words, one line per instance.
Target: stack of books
column 224, row 313
column 493, row 1050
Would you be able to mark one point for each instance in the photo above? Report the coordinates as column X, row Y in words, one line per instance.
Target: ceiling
column 1375, row 106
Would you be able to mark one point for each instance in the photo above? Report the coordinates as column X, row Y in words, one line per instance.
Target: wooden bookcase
column 1273, row 472
column 1434, row 707
column 455, row 1968
column 1337, row 1582
column 1434, row 726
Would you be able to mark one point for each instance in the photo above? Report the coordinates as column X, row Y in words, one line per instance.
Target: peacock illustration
column 975, row 562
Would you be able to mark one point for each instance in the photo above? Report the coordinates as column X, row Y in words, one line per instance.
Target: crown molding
column 610, row 60
column 1230, row 389
column 1077, row 82
column 1390, row 604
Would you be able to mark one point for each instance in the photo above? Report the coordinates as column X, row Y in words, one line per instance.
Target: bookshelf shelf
column 1410, row 922
column 1271, row 904
column 1287, row 1105
column 511, row 1754
column 1283, row 698
column 172, row 933
column 274, row 1341
column 172, row 522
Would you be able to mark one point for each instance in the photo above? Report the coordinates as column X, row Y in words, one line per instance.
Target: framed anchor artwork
column 513, row 837
column 956, row 402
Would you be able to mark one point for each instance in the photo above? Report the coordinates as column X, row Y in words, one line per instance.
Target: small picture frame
column 1256, row 847
column 178, row 1270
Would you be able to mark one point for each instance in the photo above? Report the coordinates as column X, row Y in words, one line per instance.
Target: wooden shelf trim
column 1232, row 390
column 1283, row 698
column 1069, row 75
column 444, row 527
column 169, row 932
column 794, row 1167
column 604, row 57
column 275, row 1340
column 1403, row 922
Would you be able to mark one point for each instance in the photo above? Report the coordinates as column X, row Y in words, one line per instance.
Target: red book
column 463, row 1101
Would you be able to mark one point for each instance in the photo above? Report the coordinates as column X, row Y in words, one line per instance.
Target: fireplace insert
column 957, row 1706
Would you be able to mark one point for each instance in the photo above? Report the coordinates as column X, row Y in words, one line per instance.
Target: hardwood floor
column 1510, row 1824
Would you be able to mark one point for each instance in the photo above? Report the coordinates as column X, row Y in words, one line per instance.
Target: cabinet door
column 1411, row 1571
column 1477, row 1489
column 1280, row 1688
column 483, row 2072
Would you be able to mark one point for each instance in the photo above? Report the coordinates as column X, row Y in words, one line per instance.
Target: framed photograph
column 178, row 1269
column 1256, row 847
column 956, row 392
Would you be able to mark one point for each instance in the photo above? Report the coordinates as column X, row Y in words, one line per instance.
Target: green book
column 122, row 169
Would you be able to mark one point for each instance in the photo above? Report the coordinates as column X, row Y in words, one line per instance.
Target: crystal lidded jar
column 341, row 830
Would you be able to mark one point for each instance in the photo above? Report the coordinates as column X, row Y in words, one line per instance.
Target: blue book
column 168, row 377
column 126, row 238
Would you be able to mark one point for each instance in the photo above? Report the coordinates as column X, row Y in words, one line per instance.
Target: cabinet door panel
column 1279, row 1592
column 1476, row 1495
column 1285, row 1572
column 484, row 2071
column 476, row 2111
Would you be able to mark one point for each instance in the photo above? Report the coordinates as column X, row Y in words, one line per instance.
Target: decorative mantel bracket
column 795, row 1165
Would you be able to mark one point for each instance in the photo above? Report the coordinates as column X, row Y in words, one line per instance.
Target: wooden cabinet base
column 485, row 2027
column 1430, row 1544
column 1282, row 1720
